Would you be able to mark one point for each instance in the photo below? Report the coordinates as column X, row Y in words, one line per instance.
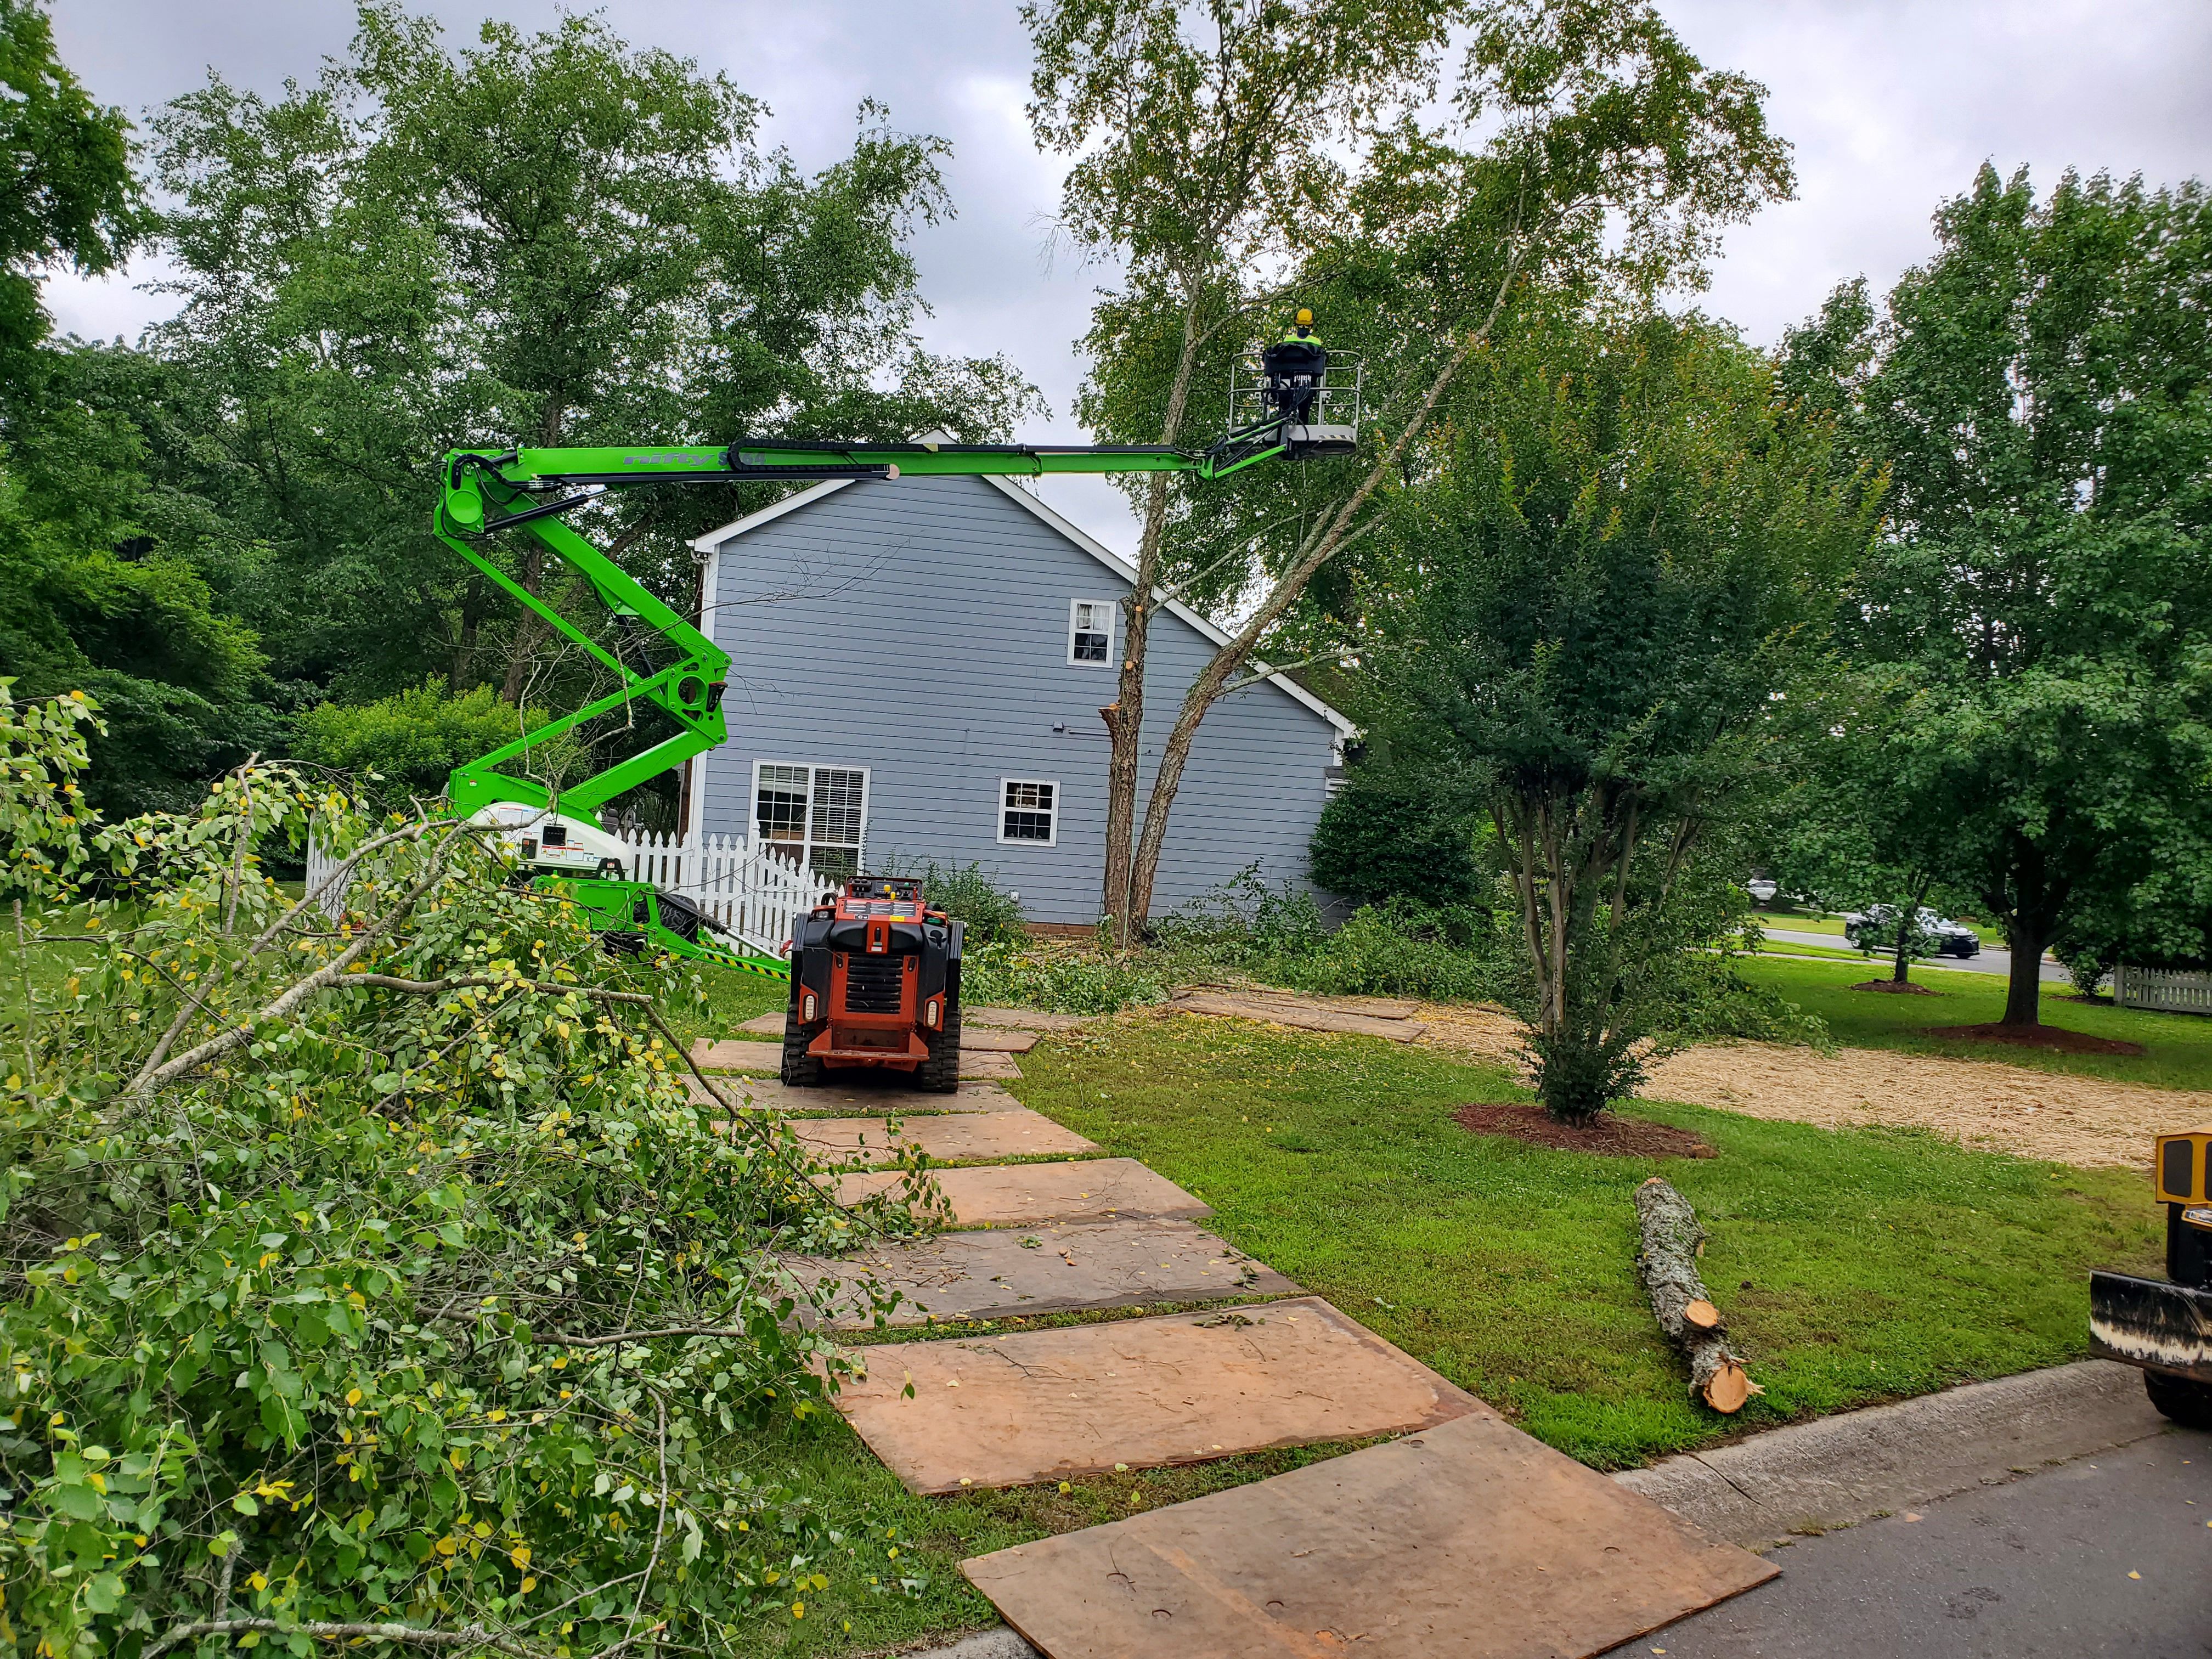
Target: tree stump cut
column 1668, row 1264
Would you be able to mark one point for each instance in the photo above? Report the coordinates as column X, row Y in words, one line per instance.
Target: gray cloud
column 1892, row 105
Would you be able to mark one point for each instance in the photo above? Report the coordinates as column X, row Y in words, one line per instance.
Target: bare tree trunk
column 1909, row 918
column 1668, row 1266
column 1126, row 726
column 1319, row 548
column 2024, row 983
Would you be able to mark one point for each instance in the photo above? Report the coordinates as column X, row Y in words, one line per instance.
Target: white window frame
column 1113, row 609
column 806, row 846
column 1059, row 800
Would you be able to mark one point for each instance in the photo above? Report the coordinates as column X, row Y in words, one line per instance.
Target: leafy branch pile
column 371, row 1273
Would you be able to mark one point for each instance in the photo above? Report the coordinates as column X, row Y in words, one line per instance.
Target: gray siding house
column 917, row 669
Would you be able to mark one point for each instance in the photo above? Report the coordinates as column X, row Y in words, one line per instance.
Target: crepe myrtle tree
column 1579, row 145
column 2039, row 394
column 1614, row 582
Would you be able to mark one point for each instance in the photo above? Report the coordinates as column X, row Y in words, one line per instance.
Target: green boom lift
column 558, row 838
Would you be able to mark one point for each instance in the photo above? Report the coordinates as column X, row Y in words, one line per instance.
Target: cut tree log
column 1668, row 1264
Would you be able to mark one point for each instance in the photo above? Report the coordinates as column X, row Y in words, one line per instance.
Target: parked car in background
column 1945, row 937
column 1762, row 891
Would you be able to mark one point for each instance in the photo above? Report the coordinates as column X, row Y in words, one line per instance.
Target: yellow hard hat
column 1305, row 317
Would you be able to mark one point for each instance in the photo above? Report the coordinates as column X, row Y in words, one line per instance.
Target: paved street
column 1992, row 960
column 2038, row 1569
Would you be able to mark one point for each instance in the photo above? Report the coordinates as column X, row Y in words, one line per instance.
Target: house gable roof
column 714, row 540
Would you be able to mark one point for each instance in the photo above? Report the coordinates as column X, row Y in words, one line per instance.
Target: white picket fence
column 2153, row 987
column 748, row 888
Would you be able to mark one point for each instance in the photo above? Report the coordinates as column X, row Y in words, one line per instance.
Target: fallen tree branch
column 153, row 1075
column 472, row 1636
column 1668, row 1265
column 429, row 987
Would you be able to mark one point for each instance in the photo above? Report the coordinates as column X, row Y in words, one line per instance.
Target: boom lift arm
column 483, row 492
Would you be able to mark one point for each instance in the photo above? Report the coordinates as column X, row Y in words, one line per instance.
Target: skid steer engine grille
column 873, row 984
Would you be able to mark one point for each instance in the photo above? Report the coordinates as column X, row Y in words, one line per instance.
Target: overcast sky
column 1892, row 105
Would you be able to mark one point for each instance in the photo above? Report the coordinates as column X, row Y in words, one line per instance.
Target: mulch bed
column 2037, row 1036
column 1896, row 987
column 1611, row 1136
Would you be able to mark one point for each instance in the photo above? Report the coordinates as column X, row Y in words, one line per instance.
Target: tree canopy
column 1602, row 605
column 2039, row 394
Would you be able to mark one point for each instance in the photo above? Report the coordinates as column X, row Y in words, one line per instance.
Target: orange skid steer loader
column 875, row 985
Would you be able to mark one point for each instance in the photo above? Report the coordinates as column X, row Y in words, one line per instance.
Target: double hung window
column 1029, row 811
column 815, row 814
column 1090, row 633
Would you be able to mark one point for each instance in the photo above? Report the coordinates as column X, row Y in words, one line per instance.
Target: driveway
column 2109, row 1554
column 1994, row 959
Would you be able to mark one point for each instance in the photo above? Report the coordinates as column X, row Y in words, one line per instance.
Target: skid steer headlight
column 930, row 1011
column 806, row 1005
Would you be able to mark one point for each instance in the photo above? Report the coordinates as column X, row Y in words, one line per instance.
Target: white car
column 1951, row 938
column 1762, row 891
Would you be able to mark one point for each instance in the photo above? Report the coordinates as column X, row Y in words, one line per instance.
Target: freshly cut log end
column 1668, row 1264
column 1728, row 1389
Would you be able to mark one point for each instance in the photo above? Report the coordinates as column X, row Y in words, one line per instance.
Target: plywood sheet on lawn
column 736, row 1055
column 1017, row 1132
column 768, row 1025
column 1008, row 1271
column 1300, row 1015
column 984, row 1064
column 994, row 1041
column 1183, row 1388
column 1024, row 1019
column 864, row 1099
column 1021, row 1194
column 1470, row 1541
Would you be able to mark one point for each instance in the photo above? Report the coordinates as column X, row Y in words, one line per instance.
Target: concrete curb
column 1837, row 1471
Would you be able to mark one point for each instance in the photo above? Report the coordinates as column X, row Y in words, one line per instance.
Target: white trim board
column 711, row 543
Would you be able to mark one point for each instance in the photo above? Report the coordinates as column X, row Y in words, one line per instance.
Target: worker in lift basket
column 1296, row 367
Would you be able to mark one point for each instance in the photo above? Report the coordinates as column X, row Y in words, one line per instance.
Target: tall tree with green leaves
column 541, row 237
column 1582, row 147
column 84, row 607
column 1203, row 132
column 2040, row 393
column 68, row 196
column 1606, row 594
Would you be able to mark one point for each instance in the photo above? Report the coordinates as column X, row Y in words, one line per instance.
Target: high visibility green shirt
column 1295, row 338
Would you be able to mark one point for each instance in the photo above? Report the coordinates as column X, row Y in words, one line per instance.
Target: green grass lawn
column 2178, row 1046
column 1838, row 953
column 1879, row 1263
